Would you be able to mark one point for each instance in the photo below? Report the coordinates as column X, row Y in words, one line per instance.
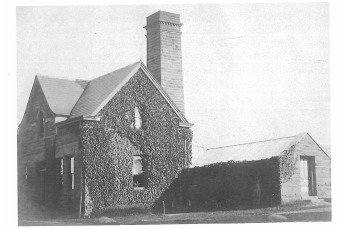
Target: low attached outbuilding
column 260, row 173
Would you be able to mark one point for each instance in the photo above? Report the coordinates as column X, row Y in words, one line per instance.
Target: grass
column 300, row 211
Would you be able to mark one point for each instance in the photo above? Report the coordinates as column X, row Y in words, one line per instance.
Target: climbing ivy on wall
column 287, row 162
column 108, row 146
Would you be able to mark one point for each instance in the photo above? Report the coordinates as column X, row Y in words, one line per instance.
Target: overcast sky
column 251, row 71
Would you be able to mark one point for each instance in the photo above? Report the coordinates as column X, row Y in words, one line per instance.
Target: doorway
column 308, row 176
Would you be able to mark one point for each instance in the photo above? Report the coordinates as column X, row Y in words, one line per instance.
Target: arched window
column 138, row 119
column 40, row 125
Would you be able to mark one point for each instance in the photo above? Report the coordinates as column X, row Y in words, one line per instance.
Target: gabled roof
column 61, row 94
column 248, row 151
column 100, row 90
column 80, row 98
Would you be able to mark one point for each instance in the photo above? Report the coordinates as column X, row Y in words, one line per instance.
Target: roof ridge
column 59, row 77
column 118, row 69
column 98, row 81
column 251, row 142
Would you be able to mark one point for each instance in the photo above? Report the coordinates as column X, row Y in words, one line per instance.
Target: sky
column 251, row 71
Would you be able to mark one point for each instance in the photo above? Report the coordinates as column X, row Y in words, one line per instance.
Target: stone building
column 267, row 172
column 117, row 140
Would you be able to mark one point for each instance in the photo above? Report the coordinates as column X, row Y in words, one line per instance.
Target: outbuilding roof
column 248, row 151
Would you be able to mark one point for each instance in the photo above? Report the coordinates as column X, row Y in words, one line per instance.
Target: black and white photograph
column 155, row 114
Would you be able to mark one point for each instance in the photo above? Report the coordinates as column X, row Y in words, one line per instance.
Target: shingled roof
column 61, row 94
column 248, row 151
column 100, row 90
column 75, row 98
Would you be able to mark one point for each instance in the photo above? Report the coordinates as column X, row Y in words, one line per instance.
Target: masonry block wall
column 164, row 59
column 33, row 149
column 291, row 190
column 39, row 178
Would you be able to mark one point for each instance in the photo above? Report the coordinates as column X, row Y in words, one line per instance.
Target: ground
column 301, row 212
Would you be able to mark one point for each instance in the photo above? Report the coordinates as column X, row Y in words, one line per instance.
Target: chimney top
column 162, row 16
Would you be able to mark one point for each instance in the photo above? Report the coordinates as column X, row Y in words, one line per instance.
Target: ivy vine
column 108, row 146
column 287, row 163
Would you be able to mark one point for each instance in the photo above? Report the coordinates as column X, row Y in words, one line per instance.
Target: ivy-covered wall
column 108, row 147
column 228, row 185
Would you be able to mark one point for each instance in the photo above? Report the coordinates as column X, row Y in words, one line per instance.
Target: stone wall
column 113, row 141
column 164, row 57
column 291, row 190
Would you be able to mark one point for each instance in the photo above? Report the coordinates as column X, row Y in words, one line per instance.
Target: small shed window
column 138, row 172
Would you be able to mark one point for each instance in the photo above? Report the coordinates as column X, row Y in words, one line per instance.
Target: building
column 263, row 173
column 117, row 140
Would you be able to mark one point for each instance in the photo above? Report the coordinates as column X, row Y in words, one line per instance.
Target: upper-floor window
column 40, row 125
column 138, row 119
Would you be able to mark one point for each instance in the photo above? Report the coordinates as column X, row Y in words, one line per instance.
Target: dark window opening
column 41, row 168
column 40, row 125
column 138, row 173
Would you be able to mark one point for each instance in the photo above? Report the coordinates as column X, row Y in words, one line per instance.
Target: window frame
column 72, row 172
column 138, row 122
column 142, row 173
column 40, row 126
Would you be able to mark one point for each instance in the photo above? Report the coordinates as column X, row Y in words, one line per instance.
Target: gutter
column 185, row 124
column 77, row 119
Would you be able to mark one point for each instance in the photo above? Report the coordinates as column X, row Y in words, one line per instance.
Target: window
column 40, row 124
column 69, row 171
column 72, row 172
column 138, row 173
column 60, row 170
column 61, row 166
column 138, row 119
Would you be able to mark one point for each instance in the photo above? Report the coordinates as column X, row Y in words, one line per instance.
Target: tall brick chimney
column 164, row 59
